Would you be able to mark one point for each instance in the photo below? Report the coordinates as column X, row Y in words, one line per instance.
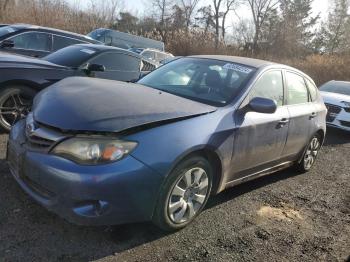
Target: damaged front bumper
column 122, row 192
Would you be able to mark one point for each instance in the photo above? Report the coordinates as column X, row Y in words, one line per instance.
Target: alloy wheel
column 188, row 195
column 15, row 107
column 311, row 153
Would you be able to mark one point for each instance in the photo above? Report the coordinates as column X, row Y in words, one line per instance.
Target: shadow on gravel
column 336, row 137
column 247, row 187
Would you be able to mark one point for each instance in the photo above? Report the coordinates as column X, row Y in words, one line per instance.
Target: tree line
column 280, row 28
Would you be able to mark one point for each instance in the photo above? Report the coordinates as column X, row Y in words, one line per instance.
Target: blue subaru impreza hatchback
column 99, row 152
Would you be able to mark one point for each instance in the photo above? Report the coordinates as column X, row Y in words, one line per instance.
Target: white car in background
column 336, row 96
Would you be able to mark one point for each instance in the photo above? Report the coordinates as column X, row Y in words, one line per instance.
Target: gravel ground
column 285, row 216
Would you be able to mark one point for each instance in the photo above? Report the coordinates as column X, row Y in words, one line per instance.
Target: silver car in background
column 336, row 95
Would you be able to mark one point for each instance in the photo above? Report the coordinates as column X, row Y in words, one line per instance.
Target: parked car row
column 21, row 78
column 38, row 41
column 62, row 54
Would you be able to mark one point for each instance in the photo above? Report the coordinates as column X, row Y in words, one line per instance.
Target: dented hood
column 86, row 104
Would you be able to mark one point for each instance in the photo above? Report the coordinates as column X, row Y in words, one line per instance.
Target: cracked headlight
column 93, row 151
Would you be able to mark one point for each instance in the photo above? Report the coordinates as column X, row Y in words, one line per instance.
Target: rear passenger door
column 119, row 66
column 302, row 113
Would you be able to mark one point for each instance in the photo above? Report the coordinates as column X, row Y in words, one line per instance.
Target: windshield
column 336, row 87
column 208, row 81
column 98, row 34
column 136, row 50
column 72, row 56
column 7, row 30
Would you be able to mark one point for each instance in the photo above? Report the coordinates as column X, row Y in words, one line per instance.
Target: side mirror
column 108, row 40
column 263, row 105
column 95, row 68
column 7, row 44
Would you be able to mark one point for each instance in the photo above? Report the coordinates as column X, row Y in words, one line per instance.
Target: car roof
column 104, row 48
column 35, row 27
column 257, row 63
column 338, row 83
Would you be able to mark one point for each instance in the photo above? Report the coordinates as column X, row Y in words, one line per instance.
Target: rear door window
column 297, row 90
column 60, row 42
column 33, row 41
column 117, row 62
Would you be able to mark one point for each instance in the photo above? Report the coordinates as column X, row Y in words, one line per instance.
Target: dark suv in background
column 38, row 41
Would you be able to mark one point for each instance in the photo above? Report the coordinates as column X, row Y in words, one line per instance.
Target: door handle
column 283, row 122
column 313, row 115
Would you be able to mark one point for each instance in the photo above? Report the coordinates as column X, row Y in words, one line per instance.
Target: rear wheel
column 184, row 194
column 310, row 154
column 15, row 103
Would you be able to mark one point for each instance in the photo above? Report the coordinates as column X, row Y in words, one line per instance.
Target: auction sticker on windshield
column 88, row 51
column 238, row 68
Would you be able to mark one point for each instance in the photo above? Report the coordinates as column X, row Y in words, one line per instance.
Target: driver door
column 260, row 138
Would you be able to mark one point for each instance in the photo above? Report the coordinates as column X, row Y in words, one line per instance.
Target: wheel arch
column 214, row 159
column 322, row 134
column 26, row 83
column 319, row 132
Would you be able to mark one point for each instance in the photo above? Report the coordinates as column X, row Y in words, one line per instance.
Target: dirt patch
column 282, row 213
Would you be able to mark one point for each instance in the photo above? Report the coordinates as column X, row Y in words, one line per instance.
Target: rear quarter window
column 117, row 62
column 312, row 89
column 297, row 90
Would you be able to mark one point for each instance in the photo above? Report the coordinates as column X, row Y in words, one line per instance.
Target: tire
column 182, row 200
column 310, row 155
column 15, row 103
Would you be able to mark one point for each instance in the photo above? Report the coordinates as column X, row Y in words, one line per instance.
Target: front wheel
column 310, row 155
column 184, row 194
column 15, row 103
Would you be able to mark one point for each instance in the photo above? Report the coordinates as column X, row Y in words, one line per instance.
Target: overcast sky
column 141, row 7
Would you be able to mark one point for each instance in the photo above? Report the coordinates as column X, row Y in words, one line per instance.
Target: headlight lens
column 92, row 151
column 347, row 104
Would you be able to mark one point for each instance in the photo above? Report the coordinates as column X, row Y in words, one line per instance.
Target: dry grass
column 323, row 68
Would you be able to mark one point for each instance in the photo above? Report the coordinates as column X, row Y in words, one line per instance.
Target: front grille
column 147, row 66
column 333, row 111
column 333, row 108
column 345, row 123
column 39, row 137
column 39, row 142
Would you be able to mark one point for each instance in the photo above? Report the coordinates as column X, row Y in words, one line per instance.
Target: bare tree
column 189, row 7
column 104, row 12
column 230, row 5
column 260, row 10
column 161, row 10
column 205, row 17
column 217, row 4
